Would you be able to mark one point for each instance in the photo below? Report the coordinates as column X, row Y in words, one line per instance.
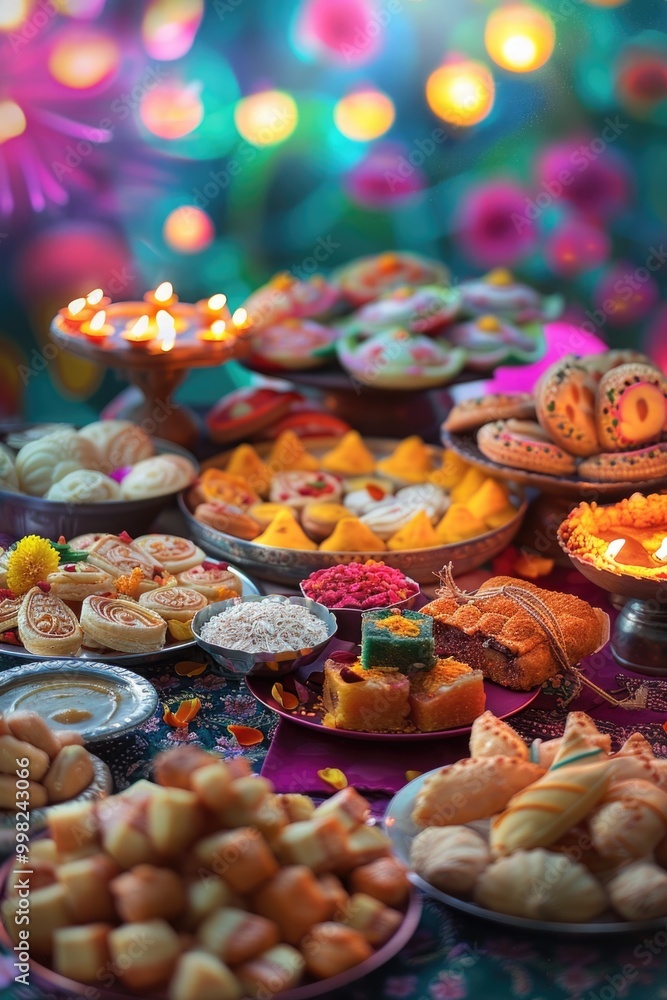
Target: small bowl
column 349, row 619
column 99, row 788
column 237, row 663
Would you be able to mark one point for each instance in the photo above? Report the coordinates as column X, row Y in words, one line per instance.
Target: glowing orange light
column 217, row 302
column 188, row 229
column 240, row 317
column 12, row 120
column 98, row 320
column 82, row 60
column 216, row 333
column 95, row 297
column 461, row 92
column 164, row 291
column 520, row 37
column 266, row 118
column 172, row 110
column 97, row 327
column 166, row 330
column 364, row 115
column 75, row 307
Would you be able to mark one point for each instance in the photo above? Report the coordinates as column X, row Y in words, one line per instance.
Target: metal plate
column 131, row 700
column 401, row 831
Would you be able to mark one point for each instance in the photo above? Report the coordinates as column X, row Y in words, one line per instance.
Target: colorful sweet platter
column 306, row 687
column 315, row 517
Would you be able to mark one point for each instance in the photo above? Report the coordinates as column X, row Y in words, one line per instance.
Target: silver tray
column 401, row 831
column 138, row 694
column 127, row 659
column 27, row 515
column 290, row 566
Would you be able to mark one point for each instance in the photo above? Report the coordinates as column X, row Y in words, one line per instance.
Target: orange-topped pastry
column 285, row 532
column 418, row 533
column 245, row 462
column 351, row 535
column 350, row 457
column 458, row 525
column 451, row 472
column 466, row 487
column 410, row 462
column 490, row 498
column 214, row 484
column 289, row 455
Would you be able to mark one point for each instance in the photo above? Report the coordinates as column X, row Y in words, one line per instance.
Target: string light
column 461, row 92
column 520, row 37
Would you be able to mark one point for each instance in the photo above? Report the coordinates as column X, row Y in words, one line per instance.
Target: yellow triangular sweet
column 244, row 461
column 451, row 472
column 289, row 455
column 350, row 457
column 284, row 532
column 468, row 486
column 489, row 499
column 411, row 461
column 350, row 535
column 458, row 525
column 418, row 533
column 500, row 517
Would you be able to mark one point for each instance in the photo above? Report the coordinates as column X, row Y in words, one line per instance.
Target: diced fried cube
column 200, row 976
column 204, row 896
column 125, row 836
column 318, row 843
column 74, row 825
column 236, row 936
column 146, row 892
column 365, row 844
column 81, row 953
column 174, row 820
column 43, row 849
column 278, row 969
column 48, row 912
column 145, row 954
column 298, row 807
column 294, row 900
column 241, row 857
column 86, row 884
column 246, row 797
column 331, row 948
column 336, row 894
column 213, row 785
column 372, row 918
column 385, row 879
column 174, row 768
column 348, row 806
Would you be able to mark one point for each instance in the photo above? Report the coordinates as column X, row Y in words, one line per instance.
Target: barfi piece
column 147, row 892
column 367, row 701
column 154, row 947
column 242, row 857
column 82, row 953
column 372, row 918
column 74, row 825
column 399, row 640
column 365, row 844
column 336, row 894
column 213, row 785
column 247, row 796
column 348, row 806
column 86, row 883
column 450, row 694
column 200, row 976
column 297, row 807
column 276, row 970
column 317, row 843
column 174, row 820
column 175, row 767
column 236, row 936
column 332, row 948
column 204, row 897
column 294, row 900
column 384, row 879
column 124, row 834
column 49, row 911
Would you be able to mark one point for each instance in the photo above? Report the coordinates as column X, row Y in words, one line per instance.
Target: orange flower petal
column 284, row 698
column 411, row 775
column 246, row 736
column 189, row 668
column 184, row 714
column 181, row 631
column 333, row 776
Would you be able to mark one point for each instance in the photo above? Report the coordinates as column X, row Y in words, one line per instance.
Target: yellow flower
column 30, row 562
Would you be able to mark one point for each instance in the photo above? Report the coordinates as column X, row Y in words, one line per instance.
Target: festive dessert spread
column 111, row 593
column 349, row 499
column 265, row 627
column 517, row 634
column 569, row 832
column 108, row 460
column 627, row 538
column 206, row 865
column 361, row 586
column 601, row 418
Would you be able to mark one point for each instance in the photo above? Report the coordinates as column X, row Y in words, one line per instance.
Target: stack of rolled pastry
column 58, row 766
column 573, row 830
column 238, row 891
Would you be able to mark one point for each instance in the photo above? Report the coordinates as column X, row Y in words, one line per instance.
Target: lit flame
column 661, row 553
column 240, row 317
column 217, row 302
column 218, row 328
column 164, row 292
column 95, row 297
column 166, row 330
column 98, row 321
column 75, row 307
column 139, row 327
column 614, row 548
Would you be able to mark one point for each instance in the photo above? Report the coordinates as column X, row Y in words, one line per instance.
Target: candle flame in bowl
column 94, row 298
column 75, row 307
column 164, row 291
column 217, row 302
column 98, row 321
column 166, row 330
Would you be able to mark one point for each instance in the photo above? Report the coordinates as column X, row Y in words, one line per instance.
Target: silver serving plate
column 136, row 698
column 129, row 659
column 27, row 515
column 237, row 663
column 100, row 787
column 401, row 831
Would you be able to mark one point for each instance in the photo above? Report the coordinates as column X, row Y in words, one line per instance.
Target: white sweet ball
column 42, row 463
column 84, row 486
column 118, row 442
column 158, row 476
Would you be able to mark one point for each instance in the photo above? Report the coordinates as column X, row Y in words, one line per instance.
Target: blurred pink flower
column 493, row 225
column 625, row 294
column 585, row 172
column 641, row 78
column 342, row 31
column 384, row 176
column 577, row 246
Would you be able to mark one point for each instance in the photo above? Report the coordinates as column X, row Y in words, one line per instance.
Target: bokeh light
column 605, row 3
column 461, row 92
column 493, row 224
column 169, row 27
column 172, row 110
column 13, row 13
column 188, row 230
column 81, row 60
column 83, row 9
column 364, row 115
column 576, row 246
column 626, row 293
column 266, row 118
column 641, row 78
column 12, row 120
column 389, row 173
column 519, row 37
column 348, row 32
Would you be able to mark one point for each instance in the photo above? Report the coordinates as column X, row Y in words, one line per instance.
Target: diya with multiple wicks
column 623, row 549
column 154, row 342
